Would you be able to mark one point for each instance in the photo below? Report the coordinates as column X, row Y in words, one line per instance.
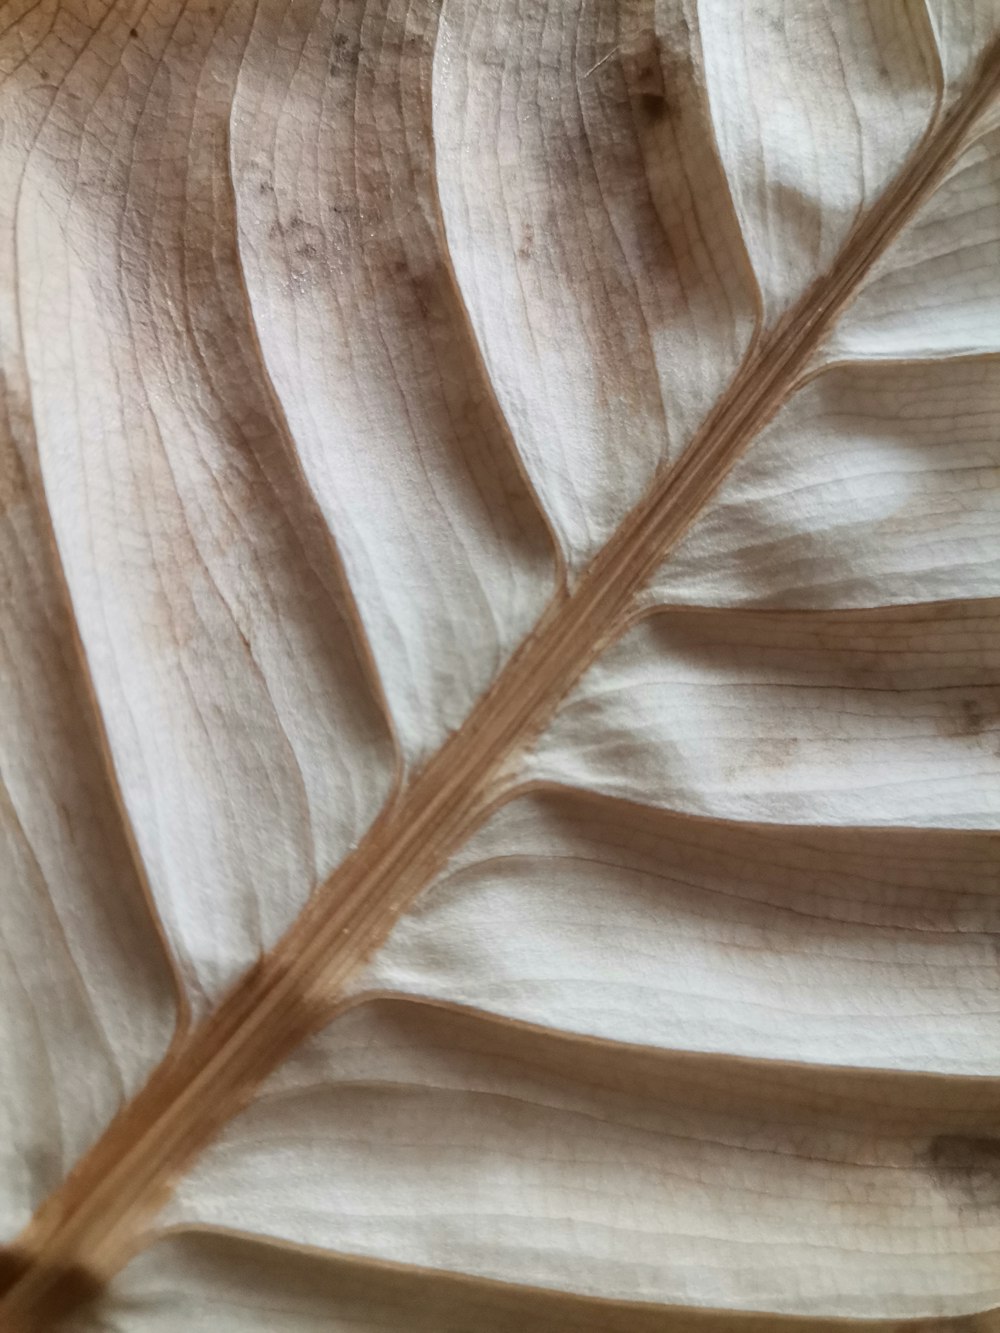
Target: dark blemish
column 654, row 106
column 308, row 246
column 14, row 1263
column 305, row 240
column 13, row 477
column 974, row 720
column 525, row 249
column 67, row 1286
column 426, row 291
column 352, row 223
column 649, row 73
column 344, row 56
column 640, row 61
column 133, row 32
column 967, row 1167
column 414, row 44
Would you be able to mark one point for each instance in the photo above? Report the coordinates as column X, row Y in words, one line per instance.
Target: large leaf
column 501, row 571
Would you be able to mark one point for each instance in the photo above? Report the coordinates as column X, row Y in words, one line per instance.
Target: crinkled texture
column 339, row 338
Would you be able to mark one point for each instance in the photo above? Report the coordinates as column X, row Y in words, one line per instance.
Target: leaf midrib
column 88, row 1228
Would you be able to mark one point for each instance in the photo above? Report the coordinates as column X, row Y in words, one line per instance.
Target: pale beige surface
column 335, row 338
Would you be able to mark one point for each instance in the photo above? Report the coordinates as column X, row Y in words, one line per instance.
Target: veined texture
column 501, row 574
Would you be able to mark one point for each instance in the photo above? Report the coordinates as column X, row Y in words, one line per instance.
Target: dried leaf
column 503, row 774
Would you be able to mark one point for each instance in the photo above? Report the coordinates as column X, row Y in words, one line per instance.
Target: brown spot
column 430, row 290
column 967, row 1168
column 421, row 289
column 14, row 484
column 527, row 246
column 596, row 153
column 974, row 720
column 133, row 32
column 654, row 106
column 344, row 56
column 972, row 717
column 67, row 1287
column 14, row 1263
column 648, row 71
column 304, row 240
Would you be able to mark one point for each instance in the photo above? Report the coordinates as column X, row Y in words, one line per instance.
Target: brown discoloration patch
column 650, row 74
column 14, row 1263
column 620, row 156
column 13, row 479
column 421, row 291
column 654, row 106
column 432, row 291
column 66, row 1287
column 305, row 246
column 974, row 719
column 345, row 56
column 596, row 162
column 15, row 425
column 967, row 1167
column 973, row 716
